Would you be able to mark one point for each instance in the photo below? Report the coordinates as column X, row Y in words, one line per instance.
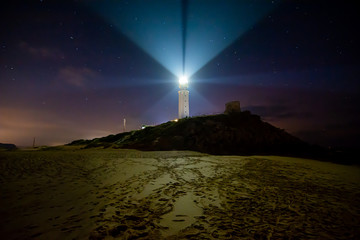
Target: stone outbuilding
column 232, row 107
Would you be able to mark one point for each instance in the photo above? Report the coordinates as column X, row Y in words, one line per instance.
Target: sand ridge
column 128, row 194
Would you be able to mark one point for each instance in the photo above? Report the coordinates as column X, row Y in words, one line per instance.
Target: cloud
column 20, row 126
column 42, row 52
column 278, row 112
column 76, row 76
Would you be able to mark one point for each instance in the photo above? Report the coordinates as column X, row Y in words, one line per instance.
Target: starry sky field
column 76, row 69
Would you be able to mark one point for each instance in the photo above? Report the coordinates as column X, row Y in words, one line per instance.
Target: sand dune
column 128, row 194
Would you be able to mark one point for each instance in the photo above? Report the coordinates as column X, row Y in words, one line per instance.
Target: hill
column 7, row 146
column 236, row 133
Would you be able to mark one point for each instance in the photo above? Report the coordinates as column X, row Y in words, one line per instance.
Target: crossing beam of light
column 183, row 35
column 213, row 25
column 184, row 7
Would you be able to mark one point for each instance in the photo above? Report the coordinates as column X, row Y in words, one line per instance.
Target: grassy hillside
column 7, row 147
column 239, row 133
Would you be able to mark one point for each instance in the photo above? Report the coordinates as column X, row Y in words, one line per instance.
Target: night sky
column 76, row 69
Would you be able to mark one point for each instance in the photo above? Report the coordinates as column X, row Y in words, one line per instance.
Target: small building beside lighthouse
column 183, row 98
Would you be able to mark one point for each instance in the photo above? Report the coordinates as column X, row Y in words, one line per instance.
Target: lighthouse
column 183, row 97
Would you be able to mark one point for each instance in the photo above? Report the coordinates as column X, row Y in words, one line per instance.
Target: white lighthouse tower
column 183, row 97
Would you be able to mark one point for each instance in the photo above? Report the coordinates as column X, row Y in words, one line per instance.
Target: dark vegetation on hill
column 7, row 146
column 237, row 133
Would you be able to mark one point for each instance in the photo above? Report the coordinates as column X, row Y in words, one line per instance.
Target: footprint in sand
column 182, row 216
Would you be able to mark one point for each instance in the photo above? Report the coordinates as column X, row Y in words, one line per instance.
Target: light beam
column 183, row 36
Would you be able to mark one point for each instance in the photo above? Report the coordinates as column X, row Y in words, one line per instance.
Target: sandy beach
column 129, row 194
